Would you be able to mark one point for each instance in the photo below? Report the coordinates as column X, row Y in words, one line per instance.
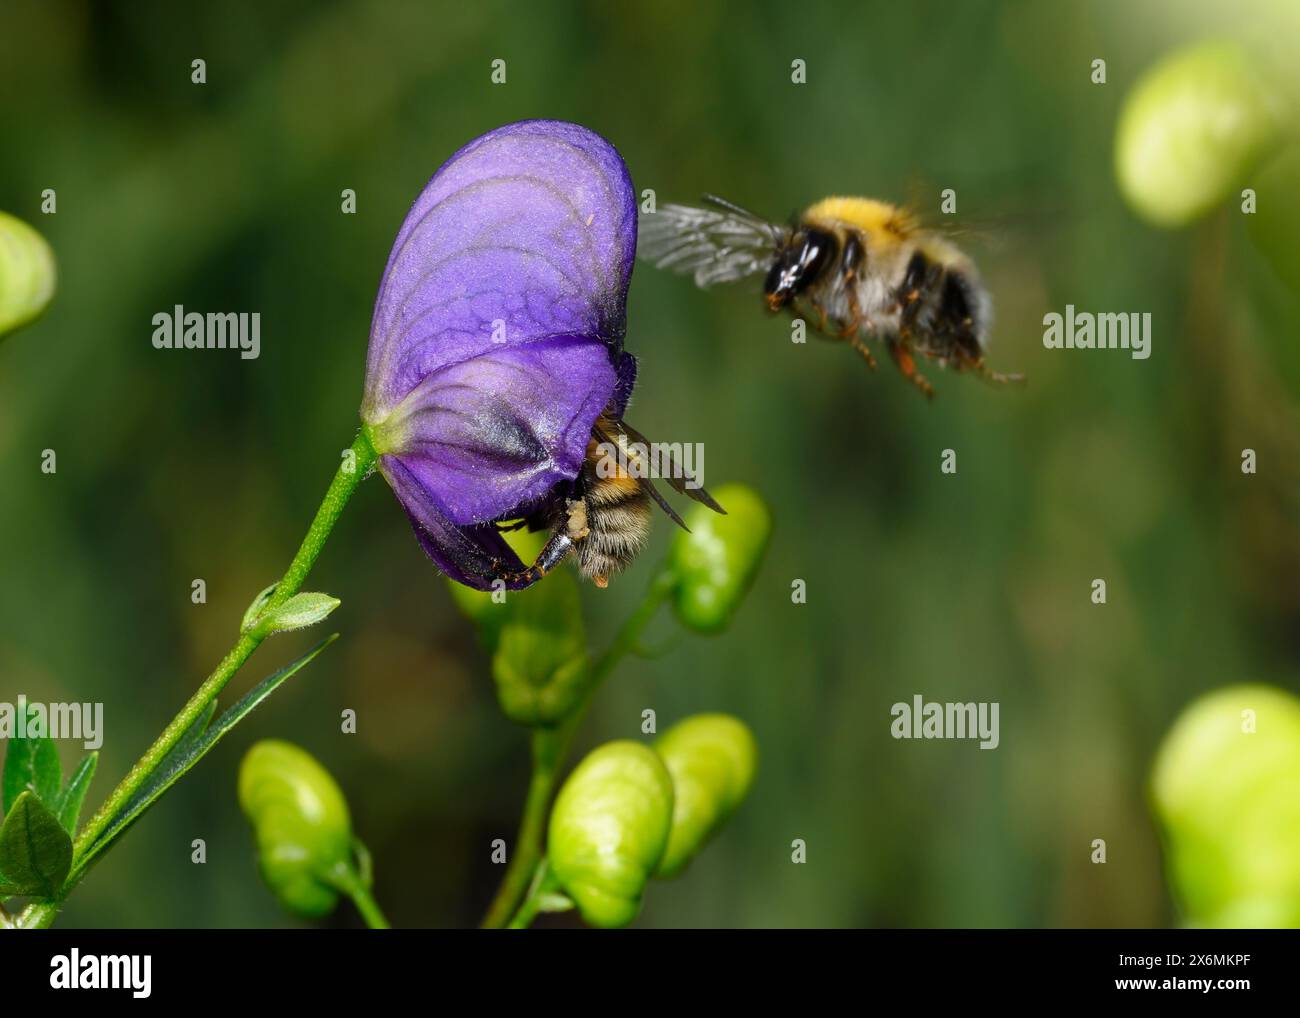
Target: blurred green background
column 171, row 466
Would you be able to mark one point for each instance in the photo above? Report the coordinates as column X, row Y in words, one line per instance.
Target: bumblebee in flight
column 864, row 268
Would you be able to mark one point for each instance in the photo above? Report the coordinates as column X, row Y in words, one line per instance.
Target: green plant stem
column 532, row 902
column 550, row 746
column 369, row 909
column 347, row 880
column 346, row 480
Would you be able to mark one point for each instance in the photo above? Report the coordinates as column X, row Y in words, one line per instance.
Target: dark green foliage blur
column 176, row 465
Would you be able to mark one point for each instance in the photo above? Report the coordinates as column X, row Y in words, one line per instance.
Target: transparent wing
column 721, row 244
column 1015, row 223
column 677, row 478
column 611, row 431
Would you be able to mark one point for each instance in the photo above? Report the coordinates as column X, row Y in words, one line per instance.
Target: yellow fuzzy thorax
column 877, row 219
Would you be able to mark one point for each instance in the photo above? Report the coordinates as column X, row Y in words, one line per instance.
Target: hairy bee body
column 615, row 512
column 856, row 269
column 602, row 517
column 903, row 284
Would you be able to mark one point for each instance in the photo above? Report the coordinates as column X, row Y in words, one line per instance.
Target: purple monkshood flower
column 497, row 337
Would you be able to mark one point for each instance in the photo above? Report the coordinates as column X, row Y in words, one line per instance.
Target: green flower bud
column 609, row 827
column 27, row 273
column 1226, row 788
column 536, row 636
column 716, row 562
column 541, row 652
column 712, row 759
column 300, row 823
column 486, row 609
column 1191, row 130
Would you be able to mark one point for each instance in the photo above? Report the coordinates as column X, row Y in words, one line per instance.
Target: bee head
column 798, row 262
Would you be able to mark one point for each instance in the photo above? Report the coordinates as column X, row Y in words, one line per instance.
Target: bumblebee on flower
column 532, row 225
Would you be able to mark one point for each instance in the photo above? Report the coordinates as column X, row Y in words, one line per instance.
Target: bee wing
column 714, row 245
column 1029, row 218
column 678, row 479
column 663, row 504
column 679, row 483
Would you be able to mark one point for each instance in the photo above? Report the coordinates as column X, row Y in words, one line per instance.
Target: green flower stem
column 369, row 909
column 350, row 474
column 346, row 879
column 541, row 883
column 550, row 746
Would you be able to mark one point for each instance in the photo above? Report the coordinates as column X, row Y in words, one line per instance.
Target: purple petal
column 496, row 433
column 497, row 335
column 529, row 231
column 468, row 555
column 626, row 381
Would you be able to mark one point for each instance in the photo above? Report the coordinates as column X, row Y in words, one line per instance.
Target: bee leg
column 921, row 278
column 902, row 355
column 850, row 262
column 557, row 548
column 988, row 374
column 823, row 319
column 998, row 378
column 568, row 531
column 855, row 315
column 860, row 345
column 575, row 524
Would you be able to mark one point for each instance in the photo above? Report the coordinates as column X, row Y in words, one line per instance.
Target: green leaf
column 365, row 866
column 299, row 612
column 192, row 734
column 35, row 852
column 193, row 746
column 68, row 807
column 553, row 901
column 254, row 610
column 32, row 765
